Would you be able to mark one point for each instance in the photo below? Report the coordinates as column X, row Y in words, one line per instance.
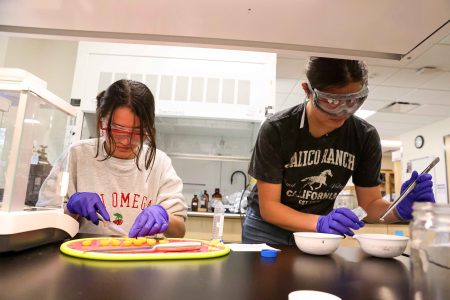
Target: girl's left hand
column 422, row 192
column 150, row 221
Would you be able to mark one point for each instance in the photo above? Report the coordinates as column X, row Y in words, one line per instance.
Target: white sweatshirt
column 124, row 189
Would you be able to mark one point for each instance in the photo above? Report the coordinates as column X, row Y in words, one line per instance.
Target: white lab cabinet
column 209, row 103
column 188, row 82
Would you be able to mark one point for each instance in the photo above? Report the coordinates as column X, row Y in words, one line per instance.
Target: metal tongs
column 408, row 190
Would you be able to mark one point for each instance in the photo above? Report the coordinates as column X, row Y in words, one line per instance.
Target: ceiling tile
column 374, row 104
column 431, row 110
column 410, row 78
column 445, row 40
column 393, row 131
column 378, row 74
column 437, row 56
column 401, row 119
column 393, row 126
column 388, row 92
column 441, row 82
column 425, row 96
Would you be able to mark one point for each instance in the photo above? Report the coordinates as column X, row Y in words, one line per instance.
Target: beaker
column 430, row 251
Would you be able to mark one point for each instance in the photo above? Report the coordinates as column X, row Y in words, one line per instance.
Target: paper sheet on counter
column 250, row 247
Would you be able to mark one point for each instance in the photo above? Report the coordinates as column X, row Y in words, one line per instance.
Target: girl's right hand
column 339, row 221
column 87, row 205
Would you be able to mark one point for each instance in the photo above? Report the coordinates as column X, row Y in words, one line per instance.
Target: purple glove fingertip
column 102, row 211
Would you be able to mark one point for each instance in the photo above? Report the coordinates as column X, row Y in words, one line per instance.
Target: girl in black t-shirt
column 305, row 155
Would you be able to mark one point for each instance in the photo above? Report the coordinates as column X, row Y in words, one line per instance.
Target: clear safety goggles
column 337, row 105
column 119, row 133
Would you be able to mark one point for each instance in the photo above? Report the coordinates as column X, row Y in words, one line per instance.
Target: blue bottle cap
column 268, row 253
column 399, row 233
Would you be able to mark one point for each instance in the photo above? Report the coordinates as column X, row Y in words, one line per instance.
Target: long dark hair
column 139, row 99
column 323, row 72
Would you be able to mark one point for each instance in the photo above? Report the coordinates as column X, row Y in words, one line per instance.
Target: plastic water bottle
column 218, row 220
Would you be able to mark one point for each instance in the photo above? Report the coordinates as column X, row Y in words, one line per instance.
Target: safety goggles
column 337, row 105
column 119, row 133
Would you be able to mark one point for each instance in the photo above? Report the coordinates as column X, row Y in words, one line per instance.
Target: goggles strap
column 302, row 121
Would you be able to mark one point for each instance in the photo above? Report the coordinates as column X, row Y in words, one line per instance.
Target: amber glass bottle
column 194, row 203
column 217, row 196
column 205, row 201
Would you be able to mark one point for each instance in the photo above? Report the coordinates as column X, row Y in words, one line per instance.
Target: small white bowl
column 382, row 245
column 311, row 295
column 317, row 243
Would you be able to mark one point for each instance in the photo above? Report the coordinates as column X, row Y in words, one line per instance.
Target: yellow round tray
column 209, row 249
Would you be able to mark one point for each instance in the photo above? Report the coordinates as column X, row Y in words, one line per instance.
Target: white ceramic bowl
column 317, row 243
column 382, row 245
column 311, row 295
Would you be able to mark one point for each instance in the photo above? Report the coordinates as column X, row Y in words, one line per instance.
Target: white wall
column 54, row 62
column 3, row 47
column 433, row 146
column 288, row 93
column 51, row 60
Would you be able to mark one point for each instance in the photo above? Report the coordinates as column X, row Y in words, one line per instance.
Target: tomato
column 86, row 243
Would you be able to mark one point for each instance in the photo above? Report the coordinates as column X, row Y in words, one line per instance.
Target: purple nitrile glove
column 152, row 220
column 422, row 192
column 87, row 205
column 339, row 221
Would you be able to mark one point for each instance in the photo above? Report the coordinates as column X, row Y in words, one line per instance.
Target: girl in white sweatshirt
column 120, row 174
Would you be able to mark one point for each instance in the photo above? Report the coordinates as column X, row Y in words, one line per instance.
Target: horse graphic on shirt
column 319, row 180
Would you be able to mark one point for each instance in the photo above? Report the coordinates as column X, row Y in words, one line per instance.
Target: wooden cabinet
column 387, row 185
column 390, row 183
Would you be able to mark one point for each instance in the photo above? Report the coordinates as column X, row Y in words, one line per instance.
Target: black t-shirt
column 312, row 170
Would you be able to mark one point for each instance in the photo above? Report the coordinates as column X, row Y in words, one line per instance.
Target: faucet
column 243, row 174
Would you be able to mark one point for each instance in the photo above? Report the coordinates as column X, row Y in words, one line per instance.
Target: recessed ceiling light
column 426, row 70
column 31, row 121
column 399, row 107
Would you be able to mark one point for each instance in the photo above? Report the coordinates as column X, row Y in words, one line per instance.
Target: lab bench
column 45, row 273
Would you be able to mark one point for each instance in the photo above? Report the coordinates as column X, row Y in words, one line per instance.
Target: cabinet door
column 185, row 81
